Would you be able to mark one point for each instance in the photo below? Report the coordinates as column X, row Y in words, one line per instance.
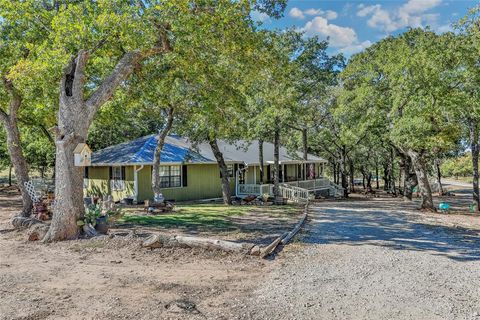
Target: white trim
column 135, row 181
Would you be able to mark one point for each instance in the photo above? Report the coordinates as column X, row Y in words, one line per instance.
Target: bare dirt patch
column 107, row 278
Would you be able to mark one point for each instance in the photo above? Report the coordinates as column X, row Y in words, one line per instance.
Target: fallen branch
column 159, row 240
column 297, row 227
column 272, row 246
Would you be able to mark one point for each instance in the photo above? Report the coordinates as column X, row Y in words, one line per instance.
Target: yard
column 257, row 224
column 114, row 278
column 375, row 258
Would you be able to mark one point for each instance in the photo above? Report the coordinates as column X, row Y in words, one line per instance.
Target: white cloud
column 259, row 16
column 355, row 48
column 299, row 14
column 445, row 28
column 296, row 13
column 339, row 37
column 411, row 14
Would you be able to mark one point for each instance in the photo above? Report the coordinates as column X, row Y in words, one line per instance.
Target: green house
column 190, row 172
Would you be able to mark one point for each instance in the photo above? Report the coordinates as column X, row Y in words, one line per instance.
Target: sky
column 352, row 26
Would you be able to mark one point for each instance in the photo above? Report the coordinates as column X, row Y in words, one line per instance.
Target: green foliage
column 458, row 167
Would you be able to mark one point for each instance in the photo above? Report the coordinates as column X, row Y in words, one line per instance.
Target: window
column 170, row 176
column 117, row 178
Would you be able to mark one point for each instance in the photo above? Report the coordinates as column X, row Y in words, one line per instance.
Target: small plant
column 92, row 213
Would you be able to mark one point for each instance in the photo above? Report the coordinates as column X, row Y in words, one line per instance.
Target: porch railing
column 255, row 189
column 293, row 193
column 300, row 189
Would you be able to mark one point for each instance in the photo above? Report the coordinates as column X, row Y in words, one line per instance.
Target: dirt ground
column 359, row 259
column 115, row 278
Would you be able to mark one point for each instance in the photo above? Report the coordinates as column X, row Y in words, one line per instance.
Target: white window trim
column 115, row 183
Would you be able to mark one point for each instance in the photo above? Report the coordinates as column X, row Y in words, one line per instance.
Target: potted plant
column 94, row 218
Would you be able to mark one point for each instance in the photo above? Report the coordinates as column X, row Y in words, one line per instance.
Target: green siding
column 203, row 182
column 99, row 183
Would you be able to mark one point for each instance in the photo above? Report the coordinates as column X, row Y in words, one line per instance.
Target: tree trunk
column 75, row 116
column 439, row 176
column 369, row 180
column 352, row 177
column 157, row 192
column 343, row 165
column 474, row 145
column 227, row 199
column 392, row 172
column 422, row 177
column 376, row 175
column 17, row 158
column 276, row 162
column 334, row 168
column 305, row 144
column 260, row 160
column 10, row 175
column 386, row 185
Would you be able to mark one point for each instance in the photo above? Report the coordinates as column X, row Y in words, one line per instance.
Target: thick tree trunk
column 422, row 177
column 17, row 158
column 439, row 176
column 75, row 116
column 227, row 199
column 376, row 175
column 474, row 146
column 157, row 154
column 276, row 162
column 260, row 160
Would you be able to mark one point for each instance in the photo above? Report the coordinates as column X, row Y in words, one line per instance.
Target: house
column 190, row 172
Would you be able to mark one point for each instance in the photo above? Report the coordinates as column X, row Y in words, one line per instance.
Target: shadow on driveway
column 379, row 224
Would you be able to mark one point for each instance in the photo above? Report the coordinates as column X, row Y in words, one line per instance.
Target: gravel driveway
column 355, row 262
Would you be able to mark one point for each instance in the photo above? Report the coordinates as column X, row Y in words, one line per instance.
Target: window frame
column 117, row 181
column 170, row 178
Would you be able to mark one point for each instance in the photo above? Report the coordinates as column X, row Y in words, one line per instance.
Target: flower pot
column 102, row 225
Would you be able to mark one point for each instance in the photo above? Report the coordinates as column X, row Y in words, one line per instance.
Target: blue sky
column 354, row 25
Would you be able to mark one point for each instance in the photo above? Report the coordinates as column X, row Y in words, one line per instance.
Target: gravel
column 355, row 262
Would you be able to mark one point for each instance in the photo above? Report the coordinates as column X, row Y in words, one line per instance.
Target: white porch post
column 135, row 181
column 283, row 173
column 254, row 175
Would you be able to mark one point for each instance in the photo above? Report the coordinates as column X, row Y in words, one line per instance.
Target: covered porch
column 297, row 177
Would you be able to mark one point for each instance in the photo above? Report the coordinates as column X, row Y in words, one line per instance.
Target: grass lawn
column 214, row 218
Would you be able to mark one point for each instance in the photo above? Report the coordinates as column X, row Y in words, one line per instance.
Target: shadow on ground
column 388, row 224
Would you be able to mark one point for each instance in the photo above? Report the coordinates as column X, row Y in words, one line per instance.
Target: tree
column 401, row 81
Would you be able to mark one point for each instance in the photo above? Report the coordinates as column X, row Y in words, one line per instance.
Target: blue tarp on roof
column 141, row 151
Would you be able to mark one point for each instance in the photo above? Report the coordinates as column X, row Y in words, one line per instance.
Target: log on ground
column 272, row 246
column 160, row 240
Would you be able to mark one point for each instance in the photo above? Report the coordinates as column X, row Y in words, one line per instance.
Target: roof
column 80, row 147
column 178, row 150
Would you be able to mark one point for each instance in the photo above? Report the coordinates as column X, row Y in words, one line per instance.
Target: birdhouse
column 82, row 155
